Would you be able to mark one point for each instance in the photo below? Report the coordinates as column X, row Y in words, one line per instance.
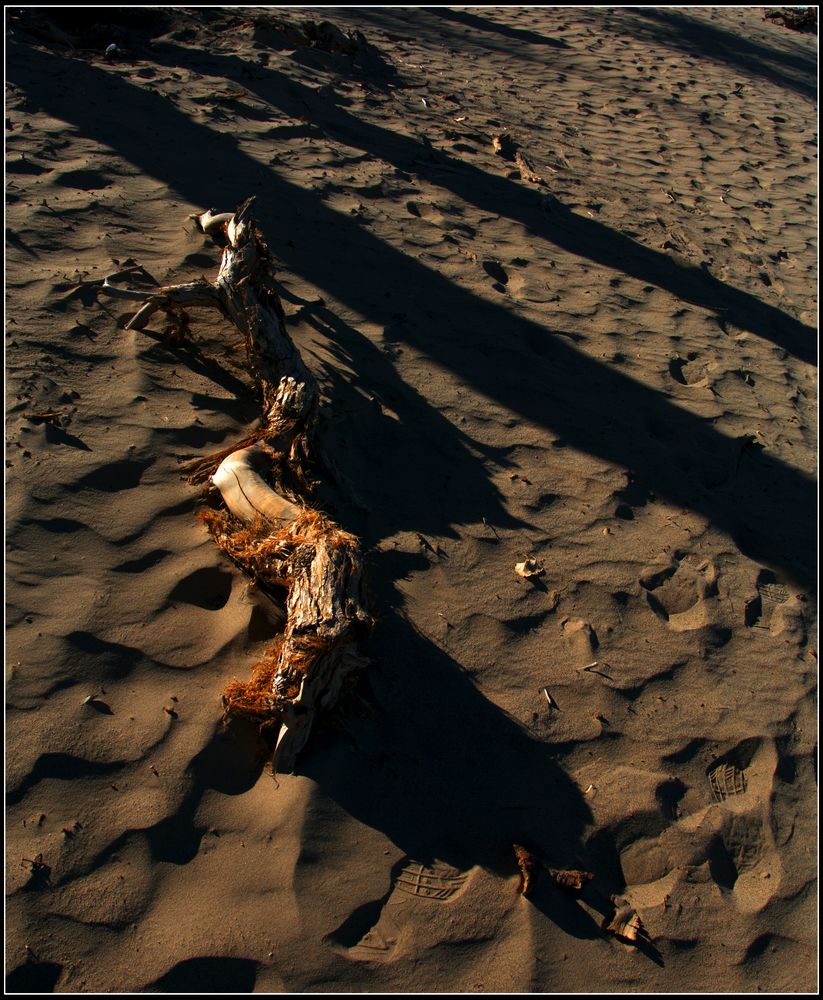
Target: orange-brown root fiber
column 253, row 699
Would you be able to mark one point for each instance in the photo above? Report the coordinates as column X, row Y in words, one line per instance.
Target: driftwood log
column 267, row 522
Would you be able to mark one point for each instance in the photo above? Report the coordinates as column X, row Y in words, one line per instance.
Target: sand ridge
column 611, row 372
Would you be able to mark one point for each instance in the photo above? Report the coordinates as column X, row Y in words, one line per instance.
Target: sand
column 595, row 349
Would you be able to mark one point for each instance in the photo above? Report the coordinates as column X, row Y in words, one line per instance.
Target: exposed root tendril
column 253, row 699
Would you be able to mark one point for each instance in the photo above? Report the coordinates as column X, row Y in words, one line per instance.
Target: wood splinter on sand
column 268, row 525
column 571, row 879
column 529, row 869
column 624, row 923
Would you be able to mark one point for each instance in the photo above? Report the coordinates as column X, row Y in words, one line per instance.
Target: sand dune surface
column 555, row 272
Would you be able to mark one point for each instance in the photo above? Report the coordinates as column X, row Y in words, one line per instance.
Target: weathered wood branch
column 193, row 293
column 269, row 526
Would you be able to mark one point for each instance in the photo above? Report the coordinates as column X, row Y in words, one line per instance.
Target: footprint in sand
column 689, row 371
column 496, row 271
column 725, row 781
column 731, row 834
column 745, row 841
column 424, row 210
column 582, row 641
column 741, row 784
column 444, row 217
column 679, row 592
column 436, row 883
column 375, row 943
column 764, row 613
column 728, row 777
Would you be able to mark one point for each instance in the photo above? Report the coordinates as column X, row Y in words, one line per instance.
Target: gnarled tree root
column 269, row 527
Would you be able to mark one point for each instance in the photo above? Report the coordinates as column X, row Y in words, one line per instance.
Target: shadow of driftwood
column 443, row 772
column 417, row 471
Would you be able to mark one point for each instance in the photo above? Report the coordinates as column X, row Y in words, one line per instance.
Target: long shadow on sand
column 584, row 237
column 476, row 21
column 673, row 29
column 443, row 772
column 697, row 37
column 764, row 504
column 417, row 472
